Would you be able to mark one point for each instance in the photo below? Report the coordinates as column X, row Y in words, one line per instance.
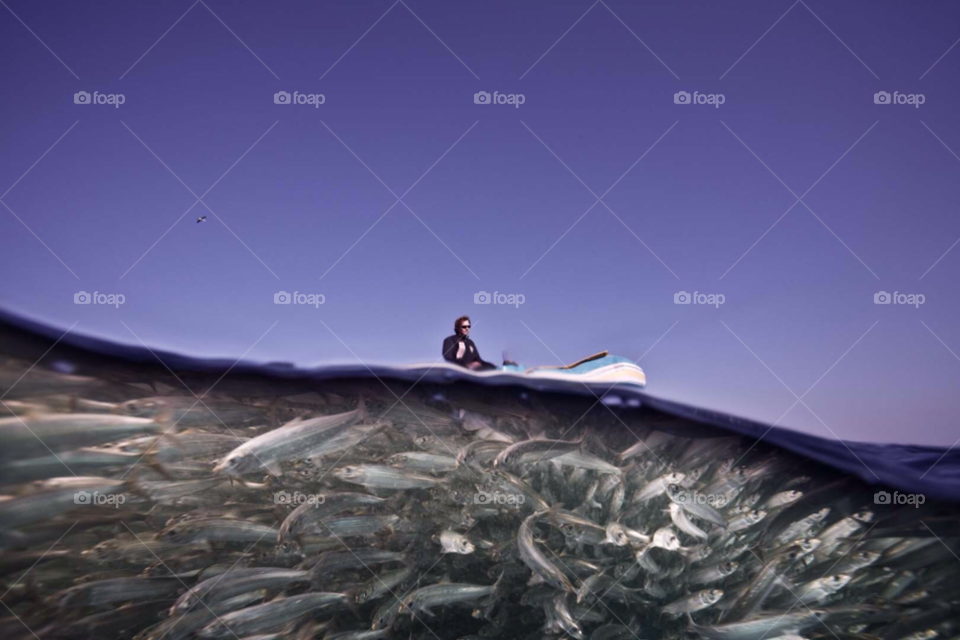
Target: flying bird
column 201, row 219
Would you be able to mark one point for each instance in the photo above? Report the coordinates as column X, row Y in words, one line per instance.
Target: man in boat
column 460, row 349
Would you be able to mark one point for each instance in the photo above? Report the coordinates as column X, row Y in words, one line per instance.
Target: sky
column 745, row 154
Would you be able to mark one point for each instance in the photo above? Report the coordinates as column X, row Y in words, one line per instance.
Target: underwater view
column 190, row 500
column 432, row 320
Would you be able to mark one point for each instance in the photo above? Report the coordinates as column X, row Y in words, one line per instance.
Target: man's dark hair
column 459, row 321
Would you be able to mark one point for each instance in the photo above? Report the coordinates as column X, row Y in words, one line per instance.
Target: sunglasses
column 464, row 326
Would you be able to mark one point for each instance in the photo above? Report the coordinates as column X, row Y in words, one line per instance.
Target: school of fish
column 140, row 510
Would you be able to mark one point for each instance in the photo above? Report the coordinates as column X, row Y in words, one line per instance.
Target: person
column 460, row 349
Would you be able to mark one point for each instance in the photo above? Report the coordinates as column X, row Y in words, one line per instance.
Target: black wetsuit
column 470, row 353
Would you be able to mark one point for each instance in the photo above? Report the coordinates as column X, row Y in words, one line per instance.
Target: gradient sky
column 694, row 197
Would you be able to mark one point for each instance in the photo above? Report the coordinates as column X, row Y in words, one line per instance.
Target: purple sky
column 694, row 197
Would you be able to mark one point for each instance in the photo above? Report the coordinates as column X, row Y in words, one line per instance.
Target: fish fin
column 497, row 585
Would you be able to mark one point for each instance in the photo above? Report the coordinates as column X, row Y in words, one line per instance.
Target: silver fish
column 371, row 475
column 236, row 582
column 689, row 502
column 714, row 573
column 762, row 626
column 421, row 461
column 692, row 603
column 188, row 411
column 421, row 600
column 817, row 590
column 747, row 520
column 101, row 593
column 453, row 542
column 66, row 494
column 802, row 527
column 679, row 518
column 37, row 436
column 659, row 486
column 534, row 558
column 586, row 461
column 782, row 499
column 219, row 530
column 310, row 513
column 538, row 450
column 296, row 439
column 271, row 615
column 381, row 584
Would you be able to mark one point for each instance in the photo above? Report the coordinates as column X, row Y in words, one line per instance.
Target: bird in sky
column 201, row 219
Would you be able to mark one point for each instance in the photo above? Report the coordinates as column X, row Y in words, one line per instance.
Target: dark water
column 654, row 510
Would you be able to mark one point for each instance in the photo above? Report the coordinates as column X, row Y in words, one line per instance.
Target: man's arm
column 478, row 361
column 450, row 350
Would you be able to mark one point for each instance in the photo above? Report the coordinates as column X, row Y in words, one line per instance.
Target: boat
column 598, row 368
